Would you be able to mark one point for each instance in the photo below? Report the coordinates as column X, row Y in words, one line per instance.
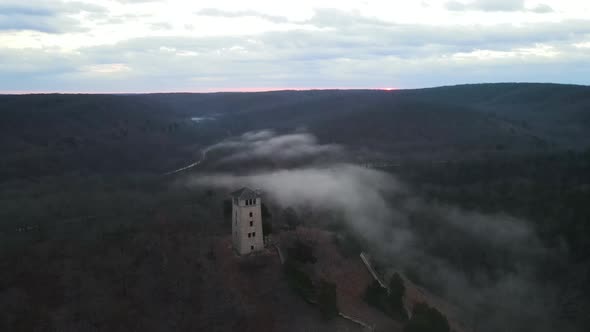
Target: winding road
column 196, row 163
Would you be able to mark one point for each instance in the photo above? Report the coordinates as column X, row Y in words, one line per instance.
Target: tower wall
column 247, row 226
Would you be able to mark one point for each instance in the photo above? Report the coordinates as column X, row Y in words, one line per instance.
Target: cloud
column 267, row 145
column 17, row 10
column 29, row 22
column 107, row 68
column 330, row 48
column 487, row 5
column 542, row 9
column 214, row 12
column 329, row 17
column 363, row 41
column 162, row 26
column 136, row 1
column 403, row 55
column 496, row 6
column 351, row 190
column 46, row 16
column 483, row 263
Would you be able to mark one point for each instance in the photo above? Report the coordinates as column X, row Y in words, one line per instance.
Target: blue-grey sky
column 220, row 45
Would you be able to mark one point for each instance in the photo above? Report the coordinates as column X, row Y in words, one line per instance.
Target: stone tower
column 246, row 221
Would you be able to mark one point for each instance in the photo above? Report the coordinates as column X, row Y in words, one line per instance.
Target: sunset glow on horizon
column 236, row 90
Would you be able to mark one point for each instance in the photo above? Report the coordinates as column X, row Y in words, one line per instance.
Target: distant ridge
column 154, row 131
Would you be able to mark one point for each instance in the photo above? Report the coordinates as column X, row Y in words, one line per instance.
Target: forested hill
column 45, row 134
column 94, row 237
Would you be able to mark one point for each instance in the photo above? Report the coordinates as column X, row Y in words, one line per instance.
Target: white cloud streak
column 266, row 145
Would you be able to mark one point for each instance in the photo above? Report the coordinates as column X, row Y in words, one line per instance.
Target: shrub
column 266, row 221
column 395, row 298
column 302, row 253
column 291, row 219
column 266, row 227
column 327, row 301
column 375, row 296
column 348, row 244
column 390, row 303
column 299, row 281
column 427, row 319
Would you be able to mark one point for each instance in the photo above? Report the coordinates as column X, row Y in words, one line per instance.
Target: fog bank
column 483, row 263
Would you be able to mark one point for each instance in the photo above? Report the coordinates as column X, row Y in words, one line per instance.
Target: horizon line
column 228, row 90
column 255, row 90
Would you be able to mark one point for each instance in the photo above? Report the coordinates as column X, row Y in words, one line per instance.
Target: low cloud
column 483, row 263
column 354, row 191
column 267, row 145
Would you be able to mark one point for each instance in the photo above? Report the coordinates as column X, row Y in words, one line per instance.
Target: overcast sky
column 221, row 45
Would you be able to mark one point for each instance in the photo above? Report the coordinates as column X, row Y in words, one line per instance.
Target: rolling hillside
column 86, row 209
column 48, row 134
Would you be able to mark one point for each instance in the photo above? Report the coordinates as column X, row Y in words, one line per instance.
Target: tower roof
column 245, row 193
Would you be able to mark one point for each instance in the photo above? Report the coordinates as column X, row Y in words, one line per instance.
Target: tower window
column 250, row 214
column 251, row 247
column 254, row 234
column 251, row 223
column 249, row 234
